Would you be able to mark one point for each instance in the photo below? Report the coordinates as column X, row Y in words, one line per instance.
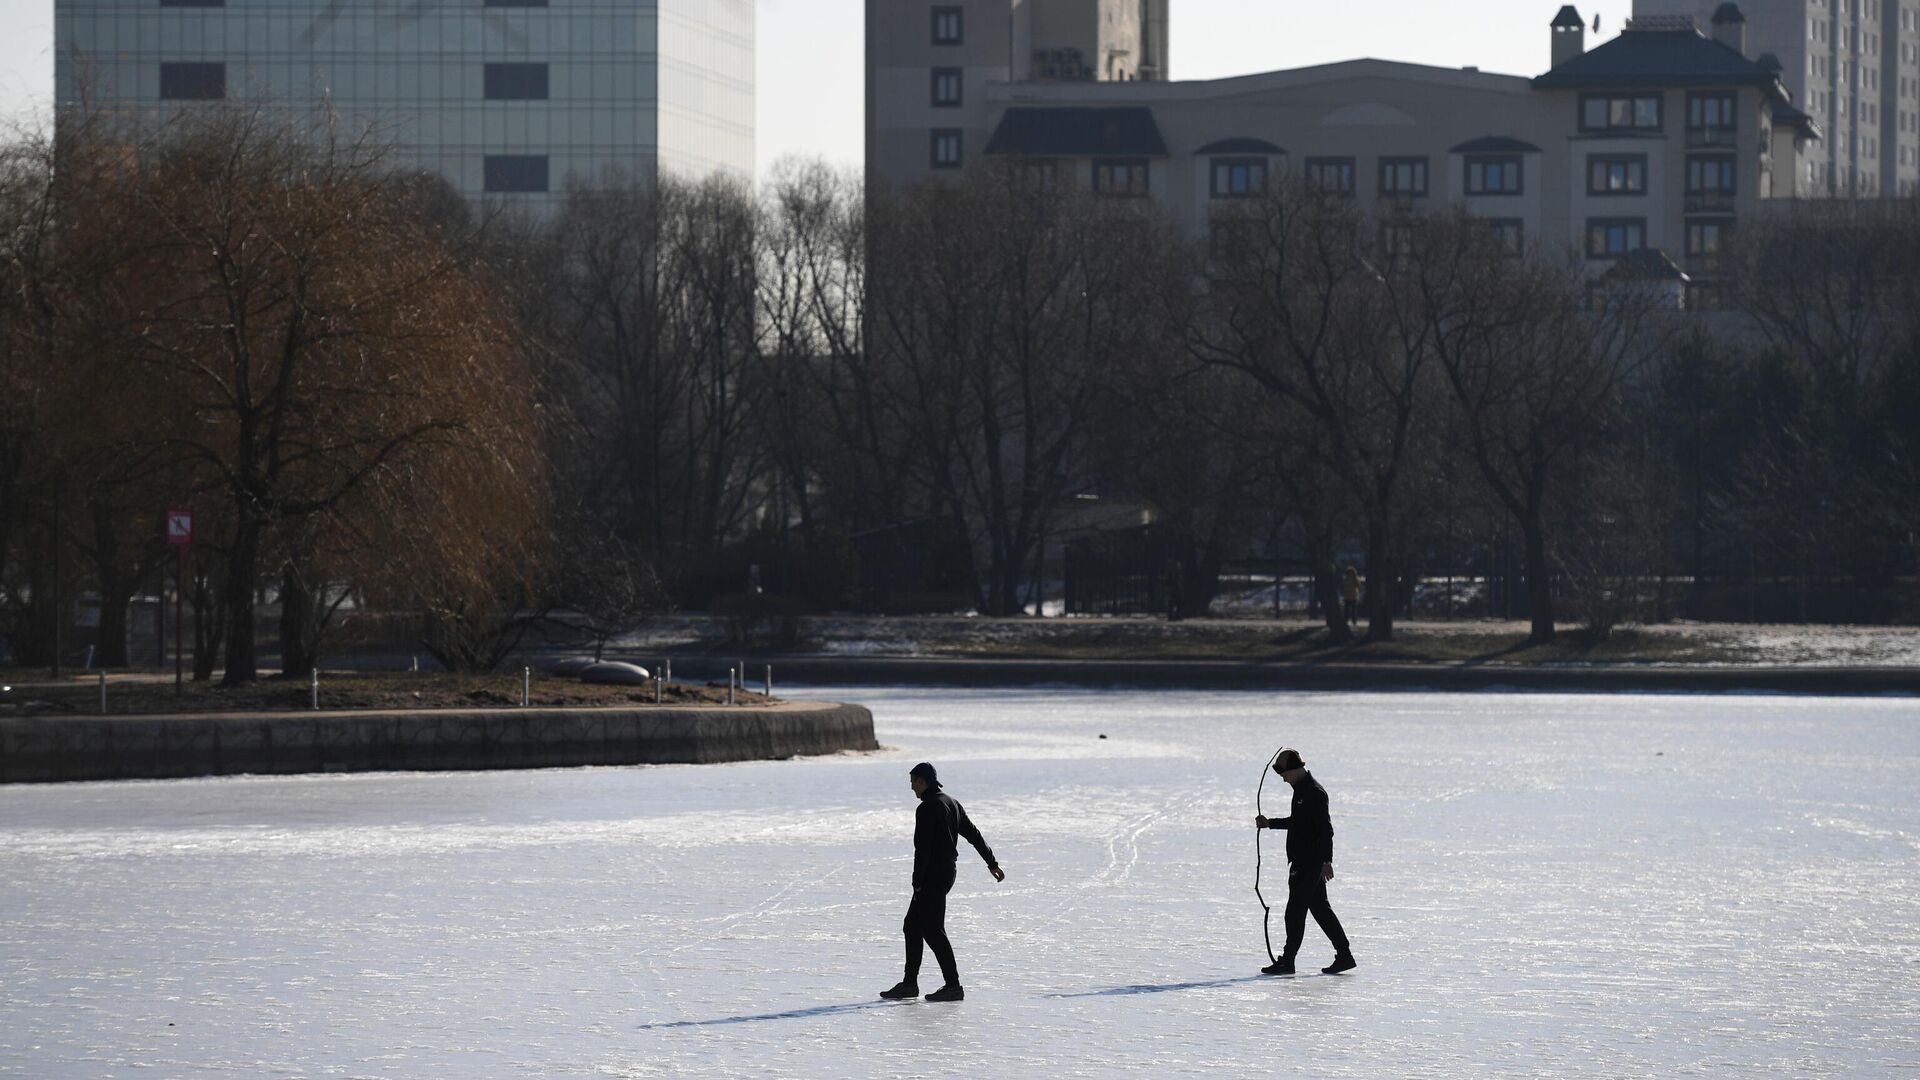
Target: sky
column 809, row 84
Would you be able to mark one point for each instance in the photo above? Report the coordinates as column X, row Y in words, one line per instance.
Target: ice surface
column 1535, row 885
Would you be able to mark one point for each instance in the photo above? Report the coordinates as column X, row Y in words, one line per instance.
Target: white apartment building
column 1854, row 65
column 508, row 99
column 1659, row 140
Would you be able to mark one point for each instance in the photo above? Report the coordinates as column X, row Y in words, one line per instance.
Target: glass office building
column 508, row 99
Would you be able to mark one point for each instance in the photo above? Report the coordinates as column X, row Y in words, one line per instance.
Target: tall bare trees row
column 373, row 398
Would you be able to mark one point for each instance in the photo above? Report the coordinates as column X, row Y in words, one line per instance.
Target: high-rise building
column 507, row 99
column 929, row 66
column 1854, row 65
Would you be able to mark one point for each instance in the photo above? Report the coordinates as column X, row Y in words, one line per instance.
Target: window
column 1711, row 113
column 946, row 87
column 1705, row 296
column 514, row 172
column 1331, row 174
column 1511, row 231
column 1610, row 238
column 193, row 3
column 1035, row 174
column 946, row 148
column 1120, row 176
column 1403, row 177
column 1396, row 239
column 193, row 82
column 1493, row 174
column 1627, row 112
column 946, row 26
column 1230, row 239
column 1709, row 175
column 1238, row 178
column 1617, row 174
column 1706, row 236
column 515, row 3
column 516, row 82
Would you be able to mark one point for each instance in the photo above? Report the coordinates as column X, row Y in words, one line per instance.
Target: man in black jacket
column 937, row 826
column 1309, row 865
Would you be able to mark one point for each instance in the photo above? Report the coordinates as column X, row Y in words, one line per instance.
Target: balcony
column 1709, row 202
column 1712, row 137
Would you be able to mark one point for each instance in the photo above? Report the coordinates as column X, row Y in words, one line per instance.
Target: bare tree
column 1537, row 376
column 996, row 307
column 1299, row 298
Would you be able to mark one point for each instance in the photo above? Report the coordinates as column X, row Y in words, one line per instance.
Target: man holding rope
column 1309, row 865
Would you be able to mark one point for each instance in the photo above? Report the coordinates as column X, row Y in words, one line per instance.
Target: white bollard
column 767, row 687
column 526, row 686
column 732, row 674
column 657, row 680
column 316, row 688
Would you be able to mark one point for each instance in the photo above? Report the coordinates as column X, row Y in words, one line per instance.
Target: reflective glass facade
column 585, row 84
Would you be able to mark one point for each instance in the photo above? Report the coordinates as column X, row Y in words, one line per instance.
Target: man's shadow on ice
column 1161, row 988
column 790, row 1014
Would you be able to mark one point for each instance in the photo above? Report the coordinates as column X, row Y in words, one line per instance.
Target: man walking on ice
column 1309, row 865
column 937, row 826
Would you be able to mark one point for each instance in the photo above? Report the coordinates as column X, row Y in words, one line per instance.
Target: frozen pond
column 1535, row 885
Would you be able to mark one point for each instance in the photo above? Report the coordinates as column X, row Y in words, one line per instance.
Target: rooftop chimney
column 1569, row 35
column 1730, row 27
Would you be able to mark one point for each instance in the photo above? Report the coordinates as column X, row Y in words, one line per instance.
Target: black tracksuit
column 937, row 826
column 1309, row 845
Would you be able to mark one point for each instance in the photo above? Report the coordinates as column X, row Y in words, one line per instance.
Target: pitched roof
column 1240, row 145
column 1568, row 15
column 1495, row 144
column 1078, row 131
column 1784, row 113
column 1645, row 263
column 1652, row 58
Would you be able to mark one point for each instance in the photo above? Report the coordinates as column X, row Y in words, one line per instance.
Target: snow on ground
column 1535, row 885
column 855, row 635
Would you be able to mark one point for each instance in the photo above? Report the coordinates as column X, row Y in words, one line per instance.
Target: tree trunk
column 1326, row 585
column 1379, row 594
column 111, row 648
column 243, row 665
column 1539, row 581
column 209, row 628
column 297, row 657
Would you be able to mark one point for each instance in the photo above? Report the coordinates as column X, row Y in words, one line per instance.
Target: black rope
column 1266, row 918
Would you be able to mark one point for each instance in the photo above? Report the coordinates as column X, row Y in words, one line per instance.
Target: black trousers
column 1307, row 892
column 926, row 922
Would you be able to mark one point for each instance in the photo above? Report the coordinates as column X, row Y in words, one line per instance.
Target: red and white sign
column 179, row 527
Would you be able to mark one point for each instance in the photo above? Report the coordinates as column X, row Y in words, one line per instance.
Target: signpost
column 180, row 538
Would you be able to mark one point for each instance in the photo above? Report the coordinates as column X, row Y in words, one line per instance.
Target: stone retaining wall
column 120, row 748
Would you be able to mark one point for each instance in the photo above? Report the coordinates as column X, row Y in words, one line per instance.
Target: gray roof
column 1078, row 131
column 1728, row 12
column 1242, row 144
column 1650, row 59
column 1647, row 263
column 1495, row 144
column 1785, row 113
column 1568, row 16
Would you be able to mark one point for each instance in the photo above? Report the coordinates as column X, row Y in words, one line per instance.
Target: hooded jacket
column 937, row 826
column 1310, row 828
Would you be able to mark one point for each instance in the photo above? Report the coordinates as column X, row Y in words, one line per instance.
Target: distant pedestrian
column 1350, row 592
column 1309, row 865
column 937, row 826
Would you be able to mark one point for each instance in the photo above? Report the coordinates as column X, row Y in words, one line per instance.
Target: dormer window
column 1620, row 112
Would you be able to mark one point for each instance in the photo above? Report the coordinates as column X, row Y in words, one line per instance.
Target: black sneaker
column 1343, row 962
column 949, row 992
column 1278, row 967
column 902, row 989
